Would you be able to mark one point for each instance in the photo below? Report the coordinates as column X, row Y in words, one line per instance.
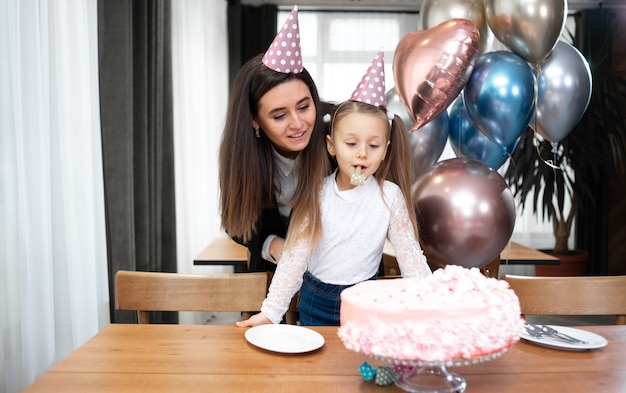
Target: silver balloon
column 466, row 212
column 434, row 12
column 395, row 106
column 529, row 28
column 564, row 91
column 428, row 141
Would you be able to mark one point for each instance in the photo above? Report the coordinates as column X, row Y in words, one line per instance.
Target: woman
column 272, row 156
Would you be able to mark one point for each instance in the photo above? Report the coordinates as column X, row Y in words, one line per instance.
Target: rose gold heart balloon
column 431, row 67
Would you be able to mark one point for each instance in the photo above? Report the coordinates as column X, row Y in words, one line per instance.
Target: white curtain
column 200, row 77
column 53, row 274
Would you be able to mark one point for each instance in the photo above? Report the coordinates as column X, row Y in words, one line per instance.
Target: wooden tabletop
column 513, row 253
column 224, row 251
column 202, row 358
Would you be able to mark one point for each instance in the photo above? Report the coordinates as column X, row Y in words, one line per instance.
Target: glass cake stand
column 432, row 376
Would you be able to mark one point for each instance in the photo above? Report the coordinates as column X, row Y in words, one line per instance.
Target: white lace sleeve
column 409, row 254
column 286, row 281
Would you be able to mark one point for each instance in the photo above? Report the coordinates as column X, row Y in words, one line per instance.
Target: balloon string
column 536, row 92
column 459, row 127
column 549, row 163
column 516, row 172
column 508, row 252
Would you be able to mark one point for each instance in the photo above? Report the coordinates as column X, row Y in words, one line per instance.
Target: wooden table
column 516, row 254
column 224, row 251
column 203, row 358
column 512, row 254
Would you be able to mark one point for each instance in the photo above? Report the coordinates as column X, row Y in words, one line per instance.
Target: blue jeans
column 319, row 303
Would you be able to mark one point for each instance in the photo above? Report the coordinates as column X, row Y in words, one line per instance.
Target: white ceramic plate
column 284, row 338
column 594, row 341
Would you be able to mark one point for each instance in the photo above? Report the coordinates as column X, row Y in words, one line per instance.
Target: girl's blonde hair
column 396, row 167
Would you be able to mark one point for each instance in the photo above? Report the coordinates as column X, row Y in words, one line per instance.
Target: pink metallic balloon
column 431, row 67
column 466, row 212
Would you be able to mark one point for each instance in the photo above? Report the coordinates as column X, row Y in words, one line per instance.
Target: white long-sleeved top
column 355, row 224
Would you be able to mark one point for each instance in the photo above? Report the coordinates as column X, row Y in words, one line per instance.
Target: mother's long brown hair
column 246, row 163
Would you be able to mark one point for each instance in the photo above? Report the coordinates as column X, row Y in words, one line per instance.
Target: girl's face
column 287, row 116
column 359, row 139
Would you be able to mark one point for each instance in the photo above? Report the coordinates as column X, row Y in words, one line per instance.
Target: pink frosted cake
column 456, row 313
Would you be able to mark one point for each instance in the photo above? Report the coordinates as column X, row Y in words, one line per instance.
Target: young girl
column 365, row 201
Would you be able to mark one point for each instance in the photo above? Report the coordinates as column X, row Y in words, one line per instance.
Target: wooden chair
column 146, row 291
column 588, row 295
column 491, row 269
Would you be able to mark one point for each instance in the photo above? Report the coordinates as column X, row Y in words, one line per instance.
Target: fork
column 541, row 330
column 555, row 333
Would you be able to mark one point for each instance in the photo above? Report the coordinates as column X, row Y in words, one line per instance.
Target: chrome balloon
column 468, row 141
column 530, row 28
column 431, row 67
column 427, row 142
column 564, row 90
column 466, row 211
column 499, row 96
column 434, row 12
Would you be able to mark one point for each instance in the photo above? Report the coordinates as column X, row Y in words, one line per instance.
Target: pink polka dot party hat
column 371, row 89
column 284, row 53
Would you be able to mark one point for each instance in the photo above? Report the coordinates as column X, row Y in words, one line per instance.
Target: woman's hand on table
column 255, row 320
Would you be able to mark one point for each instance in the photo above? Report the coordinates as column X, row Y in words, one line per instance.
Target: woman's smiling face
column 287, row 116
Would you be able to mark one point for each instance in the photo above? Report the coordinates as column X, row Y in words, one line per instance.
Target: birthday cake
column 455, row 314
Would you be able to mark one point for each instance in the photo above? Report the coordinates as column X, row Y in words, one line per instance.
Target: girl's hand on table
column 255, row 320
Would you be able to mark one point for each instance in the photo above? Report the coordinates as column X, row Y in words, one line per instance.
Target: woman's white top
column 355, row 225
column 285, row 180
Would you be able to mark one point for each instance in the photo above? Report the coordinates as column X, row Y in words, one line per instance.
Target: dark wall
column 250, row 32
column 617, row 187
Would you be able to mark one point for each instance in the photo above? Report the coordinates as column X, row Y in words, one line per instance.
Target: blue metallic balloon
column 468, row 141
column 499, row 96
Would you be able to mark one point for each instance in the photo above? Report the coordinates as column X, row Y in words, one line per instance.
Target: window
column 337, row 47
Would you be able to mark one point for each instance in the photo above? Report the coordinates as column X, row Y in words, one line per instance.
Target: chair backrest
column 587, row 295
column 149, row 291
